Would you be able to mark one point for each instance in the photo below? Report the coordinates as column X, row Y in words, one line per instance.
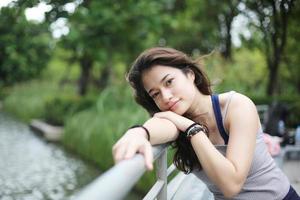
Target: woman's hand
column 182, row 123
column 132, row 142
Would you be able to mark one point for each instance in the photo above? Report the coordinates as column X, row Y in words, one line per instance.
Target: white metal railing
column 120, row 179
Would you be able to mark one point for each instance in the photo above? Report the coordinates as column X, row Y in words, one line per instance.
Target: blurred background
column 64, row 62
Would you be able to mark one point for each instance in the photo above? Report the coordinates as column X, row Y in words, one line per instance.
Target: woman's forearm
column 161, row 130
column 219, row 169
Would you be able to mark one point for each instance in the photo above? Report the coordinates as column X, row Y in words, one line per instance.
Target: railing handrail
column 120, row 179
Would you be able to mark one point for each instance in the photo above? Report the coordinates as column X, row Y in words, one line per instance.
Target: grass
column 27, row 100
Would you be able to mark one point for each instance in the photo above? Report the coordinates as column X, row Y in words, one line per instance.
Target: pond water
column 33, row 169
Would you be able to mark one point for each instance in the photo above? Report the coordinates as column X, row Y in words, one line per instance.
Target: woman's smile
column 173, row 105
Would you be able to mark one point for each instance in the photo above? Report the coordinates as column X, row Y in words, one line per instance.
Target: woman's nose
column 166, row 95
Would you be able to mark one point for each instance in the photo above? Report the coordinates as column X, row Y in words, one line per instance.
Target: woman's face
column 170, row 88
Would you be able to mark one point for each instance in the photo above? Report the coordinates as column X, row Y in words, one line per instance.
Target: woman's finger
column 115, row 148
column 119, row 153
column 130, row 151
column 148, row 154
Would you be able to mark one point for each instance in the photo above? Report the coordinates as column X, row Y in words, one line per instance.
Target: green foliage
column 245, row 74
column 3, row 93
column 199, row 24
column 289, row 81
column 61, row 68
column 103, row 33
column 272, row 20
column 61, row 107
column 45, row 100
column 27, row 100
column 24, row 46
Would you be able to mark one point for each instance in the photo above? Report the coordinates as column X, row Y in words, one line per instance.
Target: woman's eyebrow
column 160, row 82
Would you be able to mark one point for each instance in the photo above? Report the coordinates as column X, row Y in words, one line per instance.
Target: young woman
column 217, row 137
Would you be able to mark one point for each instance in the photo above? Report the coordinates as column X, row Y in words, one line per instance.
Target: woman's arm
column 161, row 130
column 228, row 173
column 135, row 140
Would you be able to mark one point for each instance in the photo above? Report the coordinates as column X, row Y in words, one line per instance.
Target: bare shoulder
column 236, row 100
column 240, row 109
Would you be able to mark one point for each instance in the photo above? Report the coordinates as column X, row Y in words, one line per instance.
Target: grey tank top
column 265, row 180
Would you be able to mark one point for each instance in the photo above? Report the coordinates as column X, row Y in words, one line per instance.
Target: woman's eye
column 154, row 95
column 169, row 82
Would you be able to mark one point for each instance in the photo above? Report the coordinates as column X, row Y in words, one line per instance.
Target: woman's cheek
column 158, row 104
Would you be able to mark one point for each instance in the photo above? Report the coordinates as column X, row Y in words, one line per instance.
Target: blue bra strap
column 218, row 116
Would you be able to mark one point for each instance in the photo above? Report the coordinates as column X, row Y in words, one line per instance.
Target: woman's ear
column 191, row 75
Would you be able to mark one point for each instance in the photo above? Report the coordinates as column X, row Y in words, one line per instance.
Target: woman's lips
column 173, row 106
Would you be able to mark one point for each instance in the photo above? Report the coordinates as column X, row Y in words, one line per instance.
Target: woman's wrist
column 145, row 131
column 186, row 124
column 194, row 129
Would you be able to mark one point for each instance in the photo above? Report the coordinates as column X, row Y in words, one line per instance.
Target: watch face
column 196, row 129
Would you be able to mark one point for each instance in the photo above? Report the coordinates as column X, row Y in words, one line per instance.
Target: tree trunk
column 105, row 77
column 298, row 85
column 272, row 80
column 227, row 46
column 85, row 65
column 228, row 19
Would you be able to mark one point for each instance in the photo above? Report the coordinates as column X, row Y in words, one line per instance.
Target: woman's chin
column 179, row 111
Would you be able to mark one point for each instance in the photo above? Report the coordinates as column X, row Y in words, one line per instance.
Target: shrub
column 44, row 99
column 60, row 108
column 26, row 100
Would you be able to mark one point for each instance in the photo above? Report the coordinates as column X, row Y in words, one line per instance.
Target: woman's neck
column 200, row 108
column 201, row 111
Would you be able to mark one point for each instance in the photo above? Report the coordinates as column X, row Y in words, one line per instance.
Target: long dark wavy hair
column 185, row 158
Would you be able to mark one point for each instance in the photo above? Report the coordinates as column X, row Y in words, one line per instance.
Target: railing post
column 161, row 174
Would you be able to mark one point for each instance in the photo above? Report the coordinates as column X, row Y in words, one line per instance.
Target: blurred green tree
column 272, row 19
column 200, row 25
column 24, row 46
column 291, row 58
column 105, row 32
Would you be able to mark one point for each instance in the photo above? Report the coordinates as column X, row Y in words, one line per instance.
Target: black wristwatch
column 194, row 129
